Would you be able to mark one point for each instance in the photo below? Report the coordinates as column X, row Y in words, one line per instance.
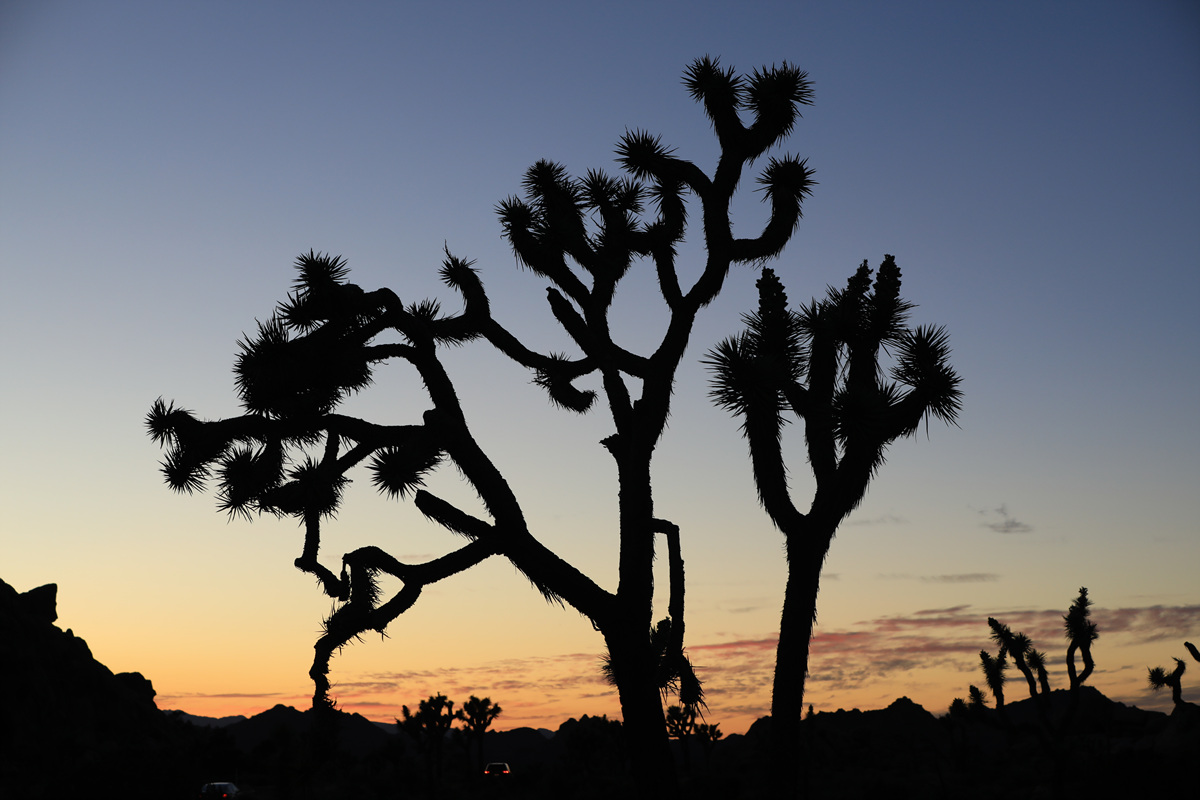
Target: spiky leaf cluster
column 246, row 475
column 399, row 471
column 993, row 673
column 1076, row 625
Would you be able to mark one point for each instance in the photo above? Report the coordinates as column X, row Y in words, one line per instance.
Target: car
column 497, row 768
column 221, row 790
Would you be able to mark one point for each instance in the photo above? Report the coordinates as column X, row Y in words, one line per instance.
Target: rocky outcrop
column 68, row 721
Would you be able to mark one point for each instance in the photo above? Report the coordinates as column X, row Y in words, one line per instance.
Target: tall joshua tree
column 291, row 452
column 824, row 365
column 1080, row 633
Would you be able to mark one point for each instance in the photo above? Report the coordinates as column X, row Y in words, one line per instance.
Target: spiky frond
column 164, row 419
column 279, row 376
column 319, row 271
column 1076, row 625
column 245, row 474
column 732, row 374
column 557, row 381
column 718, row 89
column 773, row 95
column 400, row 471
column 642, row 154
column 923, row 362
column 183, row 472
column 310, row 488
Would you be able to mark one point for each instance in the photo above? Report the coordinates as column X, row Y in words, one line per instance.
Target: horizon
column 1034, row 169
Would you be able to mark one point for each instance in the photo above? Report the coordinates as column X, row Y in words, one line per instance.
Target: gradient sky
column 1035, row 167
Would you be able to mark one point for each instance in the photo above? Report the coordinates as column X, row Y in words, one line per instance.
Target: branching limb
column 361, row 613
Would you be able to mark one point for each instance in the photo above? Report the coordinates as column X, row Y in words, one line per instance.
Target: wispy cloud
column 882, row 519
column 962, row 577
column 999, row 520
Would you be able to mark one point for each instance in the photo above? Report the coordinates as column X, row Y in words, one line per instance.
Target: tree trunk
column 791, row 657
column 643, row 722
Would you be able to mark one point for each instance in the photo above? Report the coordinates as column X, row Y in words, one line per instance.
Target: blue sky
column 1034, row 167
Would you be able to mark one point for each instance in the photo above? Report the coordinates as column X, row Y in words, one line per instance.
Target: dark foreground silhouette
column 71, row 728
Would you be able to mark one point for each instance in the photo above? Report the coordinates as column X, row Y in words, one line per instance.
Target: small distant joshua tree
column 429, row 726
column 1160, row 678
column 993, row 673
column 709, row 735
column 477, row 715
column 1080, row 633
column 1036, row 660
column 1019, row 646
column 681, row 724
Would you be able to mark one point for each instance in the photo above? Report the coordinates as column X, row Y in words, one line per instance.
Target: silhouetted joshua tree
column 709, row 735
column 1080, row 633
column 1036, row 660
column 1159, row 678
column 993, row 673
column 824, row 365
column 681, row 724
column 477, row 715
column 291, row 453
column 1026, row 659
column 428, row 727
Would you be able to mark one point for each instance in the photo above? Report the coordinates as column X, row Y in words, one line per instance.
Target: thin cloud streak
column 1007, row 523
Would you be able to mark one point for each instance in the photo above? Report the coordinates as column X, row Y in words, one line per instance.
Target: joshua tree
column 975, row 698
column 709, row 735
column 1037, row 662
column 1080, row 633
column 1019, row 646
column 1160, row 678
column 681, row 724
column 993, row 674
column 824, row 365
column 428, row 727
column 477, row 716
column 291, row 453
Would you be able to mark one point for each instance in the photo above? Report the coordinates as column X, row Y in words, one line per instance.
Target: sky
column 1034, row 167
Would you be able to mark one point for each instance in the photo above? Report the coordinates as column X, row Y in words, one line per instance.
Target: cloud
column 1006, row 522
column 224, row 696
column 965, row 577
column 1151, row 623
column 962, row 577
column 882, row 519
